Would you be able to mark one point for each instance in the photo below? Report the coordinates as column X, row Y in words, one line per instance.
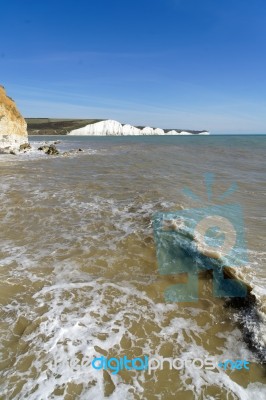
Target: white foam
column 12, row 141
column 84, row 315
column 73, row 330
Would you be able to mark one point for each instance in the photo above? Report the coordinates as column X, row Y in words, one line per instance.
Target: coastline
column 60, row 127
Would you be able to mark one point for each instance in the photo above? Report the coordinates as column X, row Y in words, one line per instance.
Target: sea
column 81, row 273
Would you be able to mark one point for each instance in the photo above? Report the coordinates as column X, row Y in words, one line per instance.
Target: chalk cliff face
column 115, row 128
column 13, row 127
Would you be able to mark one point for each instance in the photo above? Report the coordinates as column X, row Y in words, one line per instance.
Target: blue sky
column 167, row 63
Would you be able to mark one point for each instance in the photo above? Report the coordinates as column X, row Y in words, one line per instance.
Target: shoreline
column 62, row 127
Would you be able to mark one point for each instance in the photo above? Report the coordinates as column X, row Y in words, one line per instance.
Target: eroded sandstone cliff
column 13, row 127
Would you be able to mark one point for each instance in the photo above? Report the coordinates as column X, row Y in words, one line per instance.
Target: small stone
column 24, row 146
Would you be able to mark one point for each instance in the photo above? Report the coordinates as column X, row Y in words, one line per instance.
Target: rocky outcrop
column 51, row 150
column 13, row 127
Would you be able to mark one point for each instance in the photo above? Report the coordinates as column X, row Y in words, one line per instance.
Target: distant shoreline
column 61, row 127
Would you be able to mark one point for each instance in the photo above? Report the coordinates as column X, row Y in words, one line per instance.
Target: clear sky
column 168, row 63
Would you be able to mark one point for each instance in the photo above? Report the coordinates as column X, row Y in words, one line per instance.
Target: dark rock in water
column 43, row 148
column 80, row 150
column 50, row 150
column 57, row 142
column 13, row 153
column 25, row 147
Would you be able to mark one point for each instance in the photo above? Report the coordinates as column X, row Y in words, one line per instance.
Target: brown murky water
column 79, row 275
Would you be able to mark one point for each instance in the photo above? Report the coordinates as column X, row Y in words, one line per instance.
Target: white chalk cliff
column 115, row 128
column 13, row 127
